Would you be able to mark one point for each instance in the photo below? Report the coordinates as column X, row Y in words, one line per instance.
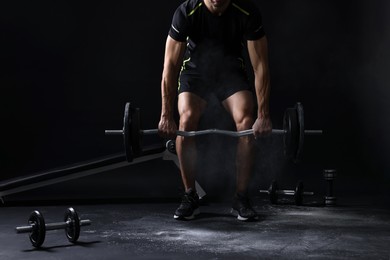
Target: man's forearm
column 262, row 86
column 168, row 93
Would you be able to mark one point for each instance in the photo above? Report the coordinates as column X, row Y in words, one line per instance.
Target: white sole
column 239, row 217
column 195, row 213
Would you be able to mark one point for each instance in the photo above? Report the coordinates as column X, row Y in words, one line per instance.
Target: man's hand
column 262, row 127
column 167, row 128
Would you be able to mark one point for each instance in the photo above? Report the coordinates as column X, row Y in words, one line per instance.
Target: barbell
column 293, row 132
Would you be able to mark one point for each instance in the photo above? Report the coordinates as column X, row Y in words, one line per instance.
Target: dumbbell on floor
column 329, row 176
column 298, row 193
column 37, row 226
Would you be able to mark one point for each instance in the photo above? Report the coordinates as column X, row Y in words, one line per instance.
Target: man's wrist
column 262, row 116
column 166, row 115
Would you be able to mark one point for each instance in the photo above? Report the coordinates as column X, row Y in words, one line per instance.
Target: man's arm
column 173, row 58
column 258, row 53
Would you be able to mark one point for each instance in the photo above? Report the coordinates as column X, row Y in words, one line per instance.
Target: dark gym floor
column 148, row 231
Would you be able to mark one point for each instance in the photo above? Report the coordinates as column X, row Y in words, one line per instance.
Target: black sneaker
column 189, row 206
column 242, row 208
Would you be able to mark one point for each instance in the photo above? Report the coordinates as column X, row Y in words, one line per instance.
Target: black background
column 68, row 67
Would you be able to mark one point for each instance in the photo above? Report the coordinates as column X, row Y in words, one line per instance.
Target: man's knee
column 244, row 123
column 189, row 120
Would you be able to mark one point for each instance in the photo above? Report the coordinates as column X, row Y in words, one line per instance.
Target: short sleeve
column 179, row 27
column 255, row 28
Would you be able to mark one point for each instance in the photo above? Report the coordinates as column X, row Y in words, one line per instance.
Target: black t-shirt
column 215, row 40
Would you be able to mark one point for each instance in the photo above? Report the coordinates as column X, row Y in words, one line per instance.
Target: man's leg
column 190, row 108
column 241, row 107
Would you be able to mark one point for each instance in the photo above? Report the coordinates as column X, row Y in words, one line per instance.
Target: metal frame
column 166, row 155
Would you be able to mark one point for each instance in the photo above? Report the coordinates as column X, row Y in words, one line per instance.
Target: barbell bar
column 211, row 131
column 293, row 132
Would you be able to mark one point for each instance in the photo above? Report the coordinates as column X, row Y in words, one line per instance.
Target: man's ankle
column 191, row 191
column 241, row 194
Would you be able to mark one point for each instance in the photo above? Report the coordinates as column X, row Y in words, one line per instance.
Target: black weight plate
column 126, row 132
column 72, row 231
column 136, row 137
column 299, row 193
column 171, row 146
column 291, row 137
column 273, row 196
column 287, row 135
column 37, row 235
column 301, row 132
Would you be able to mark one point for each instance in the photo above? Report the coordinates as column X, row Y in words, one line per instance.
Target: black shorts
column 220, row 84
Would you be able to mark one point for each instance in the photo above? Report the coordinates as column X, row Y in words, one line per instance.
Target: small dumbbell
column 298, row 193
column 37, row 227
column 330, row 198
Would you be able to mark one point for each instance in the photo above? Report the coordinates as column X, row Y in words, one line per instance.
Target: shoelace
column 245, row 202
column 187, row 199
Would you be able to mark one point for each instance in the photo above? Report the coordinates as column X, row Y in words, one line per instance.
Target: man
column 205, row 40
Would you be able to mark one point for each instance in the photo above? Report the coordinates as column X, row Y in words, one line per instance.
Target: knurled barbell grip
column 52, row 226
